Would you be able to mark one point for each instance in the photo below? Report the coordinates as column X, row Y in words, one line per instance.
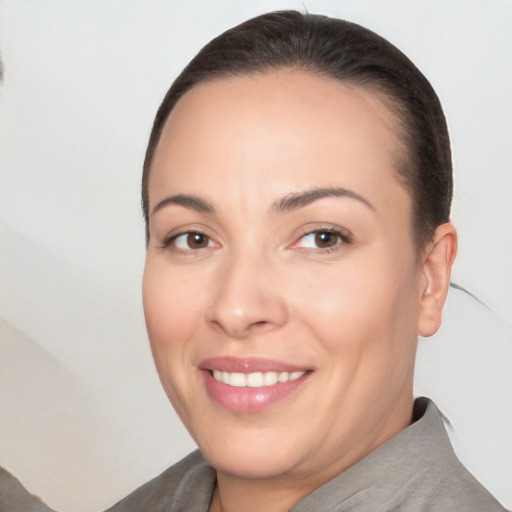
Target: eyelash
column 172, row 239
column 342, row 238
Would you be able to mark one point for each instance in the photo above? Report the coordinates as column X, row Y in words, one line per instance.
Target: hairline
column 401, row 160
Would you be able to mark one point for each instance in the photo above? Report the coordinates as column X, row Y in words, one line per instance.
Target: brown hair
column 347, row 52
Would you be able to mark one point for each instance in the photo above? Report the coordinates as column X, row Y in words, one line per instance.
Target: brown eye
column 197, row 240
column 191, row 240
column 324, row 239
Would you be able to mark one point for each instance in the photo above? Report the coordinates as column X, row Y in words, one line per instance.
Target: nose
column 248, row 299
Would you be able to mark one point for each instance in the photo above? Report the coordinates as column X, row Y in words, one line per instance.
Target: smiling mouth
column 251, row 385
column 256, row 379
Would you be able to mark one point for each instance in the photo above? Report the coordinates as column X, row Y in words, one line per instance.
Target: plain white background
column 82, row 417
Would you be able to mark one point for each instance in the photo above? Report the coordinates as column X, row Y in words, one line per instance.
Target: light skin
column 280, row 232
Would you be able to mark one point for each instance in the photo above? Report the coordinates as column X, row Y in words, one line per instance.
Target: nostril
column 260, row 325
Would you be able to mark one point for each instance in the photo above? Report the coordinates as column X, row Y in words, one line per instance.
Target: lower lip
column 250, row 400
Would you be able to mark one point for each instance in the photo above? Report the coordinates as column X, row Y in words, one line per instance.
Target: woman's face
column 282, row 284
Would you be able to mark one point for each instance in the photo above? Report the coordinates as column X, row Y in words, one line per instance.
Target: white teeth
column 255, row 380
column 283, row 377
column 270, row 378
column 237, row 379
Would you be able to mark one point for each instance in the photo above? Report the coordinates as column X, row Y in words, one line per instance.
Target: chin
column 253, row 462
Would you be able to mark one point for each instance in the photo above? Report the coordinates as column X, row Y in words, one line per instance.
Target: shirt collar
column 391, row 471
column 381, row 478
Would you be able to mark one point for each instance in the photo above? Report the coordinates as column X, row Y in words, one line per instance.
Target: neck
column 279, row 494
column 233, row 494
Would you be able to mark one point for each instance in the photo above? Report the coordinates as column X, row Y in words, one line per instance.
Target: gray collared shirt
column 415, row 471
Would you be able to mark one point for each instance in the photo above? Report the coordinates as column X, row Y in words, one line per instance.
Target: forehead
column 292, row 95
column 275, row 130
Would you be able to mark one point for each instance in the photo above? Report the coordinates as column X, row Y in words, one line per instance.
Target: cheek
column 369, row 308
column 170, row 312
column 169, row 302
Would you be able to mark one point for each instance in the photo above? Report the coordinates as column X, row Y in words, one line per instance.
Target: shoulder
column 190, row 481
column 465, row 493
column 450, row 489
column 14, row 497
column 443, row 484
column 416, row 470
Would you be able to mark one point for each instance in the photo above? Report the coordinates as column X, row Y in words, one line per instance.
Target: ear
column 437, row 261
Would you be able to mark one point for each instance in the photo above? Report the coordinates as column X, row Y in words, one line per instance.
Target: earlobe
column 437, row 264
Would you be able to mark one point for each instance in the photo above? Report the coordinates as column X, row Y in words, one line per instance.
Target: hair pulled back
column 349, row 53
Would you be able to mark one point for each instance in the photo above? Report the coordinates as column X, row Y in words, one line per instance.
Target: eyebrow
column 300, row 199
column 288, row 203
column 192, row 202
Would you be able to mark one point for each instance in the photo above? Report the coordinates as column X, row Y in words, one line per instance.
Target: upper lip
column 248, row 365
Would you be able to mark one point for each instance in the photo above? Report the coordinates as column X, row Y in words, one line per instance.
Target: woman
column 296, row 191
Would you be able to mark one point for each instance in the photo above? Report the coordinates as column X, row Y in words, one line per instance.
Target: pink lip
column 245, row 399
column 250, row 365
